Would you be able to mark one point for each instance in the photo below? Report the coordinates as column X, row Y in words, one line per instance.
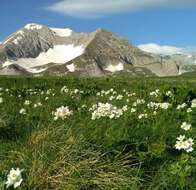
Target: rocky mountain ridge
column 39, row 50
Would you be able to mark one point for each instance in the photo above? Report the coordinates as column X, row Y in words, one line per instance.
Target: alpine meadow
column 102, row 133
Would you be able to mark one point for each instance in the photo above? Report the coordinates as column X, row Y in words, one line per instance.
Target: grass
column 79, row 153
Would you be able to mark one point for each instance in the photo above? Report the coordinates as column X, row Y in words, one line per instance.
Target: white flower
column 164, row 105
column 181, row 138
column 138, row 102
column 64, row 89
column 153, row 105
column 186, row 126
column 154, row 112
column 14, row 178
column 189, row 110
column 181, row 106
column 22, row 111
column 62, row 113
column 49, row 91
column 184, row 144
column 46, row 98
column 125, row 108
column 145, row 115
column 39, row 104
column 111, row 98
column 133, row 110
column 119, row 97
column 27, row 102
column 1, row 100
column 154, row 94
column 132, row 94
column 106, row 110
column 169, row 93
column 193, row 103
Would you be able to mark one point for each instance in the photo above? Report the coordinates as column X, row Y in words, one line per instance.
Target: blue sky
column 146, row 21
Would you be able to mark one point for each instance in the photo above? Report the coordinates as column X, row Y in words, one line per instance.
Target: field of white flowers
column 96, row 134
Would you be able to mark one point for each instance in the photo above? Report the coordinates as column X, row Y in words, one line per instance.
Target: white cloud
column 163, row 50
column 100, row 8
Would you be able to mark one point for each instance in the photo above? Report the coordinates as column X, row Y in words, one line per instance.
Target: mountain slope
column 38, row 49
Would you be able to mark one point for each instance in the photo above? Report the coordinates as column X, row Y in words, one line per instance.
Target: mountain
column 186, row 61
column 39, row 50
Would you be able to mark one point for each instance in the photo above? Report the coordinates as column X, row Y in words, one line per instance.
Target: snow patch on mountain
column 16, row 41
column 115, row 68
column 59, row 54
column 71, row 67
column 33, row 26
column 34, row 71
column 62, row 32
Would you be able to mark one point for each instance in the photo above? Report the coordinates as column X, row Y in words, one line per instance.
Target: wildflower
column 62, row 112
column 155, row 93
column 145, row 115
column 22, row 111
column 125, row 108
column 181, row 106
column 49, row 91
column 184, row 144
column 169, row 93
column 186, row 126
column 111, row 98
column 133, row 110
column 64, row 89
column 193, row 103
column 106, row 110
column 14, row 178
column 154, row 112
column 46, row 98
column 27, row 102
column 119, row 97
column 1, row 100
column 39, row 104
column 189, row 110
column 153, row 105
column 164, row 105
column 138, row 102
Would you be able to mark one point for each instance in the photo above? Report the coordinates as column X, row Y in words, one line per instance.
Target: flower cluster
column 106, row 110
column 139, row 102
column 62, row 113
column 155, row 106
column 186, row 126
column 155, row 93
column 184, row 144
column 193, row 103
column 181, row 106
column 143, row 115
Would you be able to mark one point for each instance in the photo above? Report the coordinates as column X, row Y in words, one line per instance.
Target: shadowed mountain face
column 39, row 50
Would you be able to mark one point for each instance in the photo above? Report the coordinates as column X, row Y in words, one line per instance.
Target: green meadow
column 116, row 133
